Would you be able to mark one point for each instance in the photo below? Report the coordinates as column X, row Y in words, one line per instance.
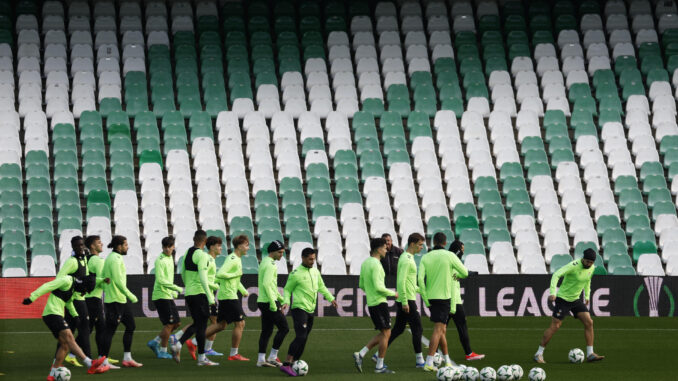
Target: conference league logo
column 656, row 295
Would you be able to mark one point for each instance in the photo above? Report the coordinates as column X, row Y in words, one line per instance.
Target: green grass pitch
column 635, row 349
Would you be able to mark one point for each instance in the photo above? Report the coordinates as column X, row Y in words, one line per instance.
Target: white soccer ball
column 62, row 374
column 445, row 374
column 517, row 371
column 470, row 374
column 300, row 367
column 504, row 373
column 487, row 374
column 576, row 356
column 458, row 372
column 537, row 374
column 438, row 360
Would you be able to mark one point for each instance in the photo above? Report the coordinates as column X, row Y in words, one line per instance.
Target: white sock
column 71, row 355
column 127, row 356
column 448, row 360
column 106, row 362
column 208, row 345
column 589, row 350
column 364, row 351
column 201, row 357
column 87, row 361
column 540, row 351
column 380, row 362
column 177, row 345
column 51, row 371
column 273, row 355
column 163, row 349
column 419, row 357
column 261, row 357
column 194, row 341
column 178, row 334
column 234, row 351
column 429, row 360
column 157, row 339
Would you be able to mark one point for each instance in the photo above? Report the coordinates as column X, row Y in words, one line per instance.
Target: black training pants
column 98, row 321
column 269, row 319
column 82, row 327
column 414, row 320
column 303, row 323
column 117, row 313
column 459, row 318
column 198, row 306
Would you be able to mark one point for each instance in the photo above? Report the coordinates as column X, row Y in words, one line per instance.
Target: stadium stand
column 530, row 130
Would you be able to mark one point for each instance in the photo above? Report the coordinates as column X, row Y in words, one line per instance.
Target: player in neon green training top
column 436, row 271
column 76, row 265
column 199, row 296
column 457, row 313
column 214, row 247
column 269, row 302
column 62, row 291
column 372, row 282
column 406, row 306
column 302, row 287
column 230, row 307
column 164, row 293
column 95, row 306
column 576, row 278
column 118, row 299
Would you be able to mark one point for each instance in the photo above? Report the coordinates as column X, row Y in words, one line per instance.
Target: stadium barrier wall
column 484, row 295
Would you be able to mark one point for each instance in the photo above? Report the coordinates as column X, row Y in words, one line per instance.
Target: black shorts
column 198, row 306
column 55, row 323
column 214, row 310
column 380, row 316
column 230, row 310
column 440, row 310
column 167, row 311
column 563, row 308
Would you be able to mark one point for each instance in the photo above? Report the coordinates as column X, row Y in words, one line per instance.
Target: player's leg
column 171, row 323
column 83, row 326
column 265, row 335
column 309, row 327
column 546, row 337
column 383, row 336
column 236, row 315
column 280, row 322
column 113, row 316
column 400, row 323
column 460, row 322
column 97, row 321
column 130, row 326
column 585, row 318
column 417, row 332
column 73, row 323
column 299, row 318
column 68, row 343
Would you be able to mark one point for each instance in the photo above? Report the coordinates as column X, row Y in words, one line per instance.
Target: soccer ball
column 62, row 374
column 445, row 374
column 470, row 374
column 537, row 374
column 300, row 367
column 458, row 372
column 517, row 371
column 504, row 373
column 576, row 356
column 438, row 360
column 487, row 374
